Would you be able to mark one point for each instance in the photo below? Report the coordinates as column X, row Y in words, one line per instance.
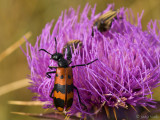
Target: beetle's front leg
column 84, row 64
column 79, row 97
column 48, row 73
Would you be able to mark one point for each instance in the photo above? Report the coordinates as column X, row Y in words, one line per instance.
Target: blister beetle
column 63, row 84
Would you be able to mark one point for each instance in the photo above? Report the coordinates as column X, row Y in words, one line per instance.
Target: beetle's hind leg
column 48, row 73
column 79, row 98
column 51, row 93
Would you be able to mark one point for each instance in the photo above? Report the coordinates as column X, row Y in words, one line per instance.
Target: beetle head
column 56, row 56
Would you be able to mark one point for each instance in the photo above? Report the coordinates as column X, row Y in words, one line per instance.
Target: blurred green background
column 20, row 16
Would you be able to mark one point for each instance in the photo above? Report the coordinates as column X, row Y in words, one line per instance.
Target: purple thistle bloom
column 125, row 73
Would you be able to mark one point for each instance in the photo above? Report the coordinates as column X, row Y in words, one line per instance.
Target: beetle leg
column 92, row 32
column 84, row 64
column 79, row 97
column 51, row 67
column 50, row 73
column 51, row 93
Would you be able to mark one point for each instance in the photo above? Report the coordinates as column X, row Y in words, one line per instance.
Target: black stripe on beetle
column 58, row 102
column 61, row 88
column 69, row 102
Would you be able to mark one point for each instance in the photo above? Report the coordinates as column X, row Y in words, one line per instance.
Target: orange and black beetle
column 62, row 92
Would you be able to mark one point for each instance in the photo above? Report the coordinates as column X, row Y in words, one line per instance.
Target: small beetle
column 62, row 92
column 104, row 22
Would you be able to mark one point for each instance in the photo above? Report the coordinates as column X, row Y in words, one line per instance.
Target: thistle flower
column 125, row 73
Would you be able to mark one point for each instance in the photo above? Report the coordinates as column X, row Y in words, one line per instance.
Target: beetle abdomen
column 63, row 88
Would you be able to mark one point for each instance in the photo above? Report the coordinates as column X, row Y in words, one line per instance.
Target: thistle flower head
column 125, row 73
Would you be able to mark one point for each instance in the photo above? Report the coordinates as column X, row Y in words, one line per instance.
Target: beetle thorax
column 63, row 63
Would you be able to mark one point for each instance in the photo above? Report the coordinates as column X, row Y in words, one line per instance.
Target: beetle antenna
column 45, row 51
column 55, row 44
